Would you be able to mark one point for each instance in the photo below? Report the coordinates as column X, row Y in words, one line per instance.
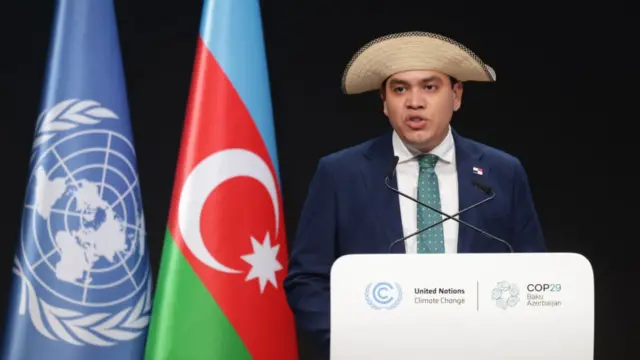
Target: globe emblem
column 83, row 214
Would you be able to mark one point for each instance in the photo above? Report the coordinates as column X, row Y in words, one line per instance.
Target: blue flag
column 82, row 282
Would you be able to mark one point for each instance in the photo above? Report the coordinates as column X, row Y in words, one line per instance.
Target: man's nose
column 415, row 102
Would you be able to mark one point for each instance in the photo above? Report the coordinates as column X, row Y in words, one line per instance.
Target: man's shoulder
column 491, row 154
column 352, row 154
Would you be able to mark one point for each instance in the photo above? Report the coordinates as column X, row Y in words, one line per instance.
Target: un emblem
column 383, row 295
column 82, row 259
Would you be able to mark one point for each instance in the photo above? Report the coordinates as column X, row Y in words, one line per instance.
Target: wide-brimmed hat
column 414, row 50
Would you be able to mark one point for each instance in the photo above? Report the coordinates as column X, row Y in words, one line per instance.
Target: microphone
column 482, row 187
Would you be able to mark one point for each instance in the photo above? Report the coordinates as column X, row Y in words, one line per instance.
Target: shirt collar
column 445, row 150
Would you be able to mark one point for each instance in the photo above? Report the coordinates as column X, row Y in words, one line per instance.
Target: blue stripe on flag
column 232, row 31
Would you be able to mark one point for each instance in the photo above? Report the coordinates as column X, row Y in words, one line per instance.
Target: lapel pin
column 477, row 170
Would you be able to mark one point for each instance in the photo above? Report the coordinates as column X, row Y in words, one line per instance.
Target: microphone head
column 392, row 166
column 485, row 188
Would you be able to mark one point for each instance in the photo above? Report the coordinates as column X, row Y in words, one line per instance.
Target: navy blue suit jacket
column 349, row 210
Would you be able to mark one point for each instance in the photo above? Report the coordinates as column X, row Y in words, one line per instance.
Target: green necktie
column 432, row 240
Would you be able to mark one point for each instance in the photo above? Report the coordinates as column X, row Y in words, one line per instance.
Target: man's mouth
column 416, row 122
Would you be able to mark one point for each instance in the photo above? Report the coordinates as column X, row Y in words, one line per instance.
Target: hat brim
column 395, row 53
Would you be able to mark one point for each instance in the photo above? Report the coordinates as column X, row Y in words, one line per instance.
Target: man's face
column 419, row 105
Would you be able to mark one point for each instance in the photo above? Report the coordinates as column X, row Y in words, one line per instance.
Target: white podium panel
column 462, row 306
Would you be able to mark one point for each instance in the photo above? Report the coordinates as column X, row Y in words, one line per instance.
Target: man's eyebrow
column 424, row 80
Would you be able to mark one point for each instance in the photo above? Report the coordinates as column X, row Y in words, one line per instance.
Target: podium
column 462, row 307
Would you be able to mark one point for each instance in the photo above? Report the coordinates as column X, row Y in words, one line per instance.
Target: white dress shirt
column 407, row 175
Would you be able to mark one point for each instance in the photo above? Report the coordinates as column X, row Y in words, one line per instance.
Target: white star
column 263, row 262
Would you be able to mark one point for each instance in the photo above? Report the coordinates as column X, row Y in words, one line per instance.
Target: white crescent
column 203, row 179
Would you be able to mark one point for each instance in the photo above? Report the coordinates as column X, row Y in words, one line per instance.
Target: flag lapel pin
column 477, row 170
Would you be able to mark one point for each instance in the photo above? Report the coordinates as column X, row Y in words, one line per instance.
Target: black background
column 564, row 104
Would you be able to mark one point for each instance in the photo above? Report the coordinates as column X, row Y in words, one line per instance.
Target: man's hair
column 383, row 87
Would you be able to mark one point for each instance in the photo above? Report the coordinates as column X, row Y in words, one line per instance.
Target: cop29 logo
column 506, row 295
column 383, row 295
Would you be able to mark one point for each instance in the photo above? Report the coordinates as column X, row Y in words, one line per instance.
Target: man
column 349, row 208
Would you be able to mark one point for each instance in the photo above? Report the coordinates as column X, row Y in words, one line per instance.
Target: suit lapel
column 386, row 204
column 468, row 157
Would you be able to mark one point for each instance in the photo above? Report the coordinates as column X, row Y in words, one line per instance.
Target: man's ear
column 384, row 100
column 457, row 96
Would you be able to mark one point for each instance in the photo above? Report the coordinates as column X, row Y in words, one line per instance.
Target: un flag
column 82, row 282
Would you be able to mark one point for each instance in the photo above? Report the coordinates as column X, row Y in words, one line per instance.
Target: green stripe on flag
column 186, row 322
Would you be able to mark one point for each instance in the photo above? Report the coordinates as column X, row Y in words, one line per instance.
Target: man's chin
column 418, row 138
column 419, row 146
column 418, row 141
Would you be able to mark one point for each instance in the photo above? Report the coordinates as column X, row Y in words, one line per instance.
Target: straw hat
column 415, row 50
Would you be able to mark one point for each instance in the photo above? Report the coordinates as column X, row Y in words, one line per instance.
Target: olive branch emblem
column 80, row 329
column 69, row 114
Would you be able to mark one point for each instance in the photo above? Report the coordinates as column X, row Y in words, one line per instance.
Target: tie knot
column 428, row 161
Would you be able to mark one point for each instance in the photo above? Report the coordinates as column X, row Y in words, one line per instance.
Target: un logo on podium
column 383, row 295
